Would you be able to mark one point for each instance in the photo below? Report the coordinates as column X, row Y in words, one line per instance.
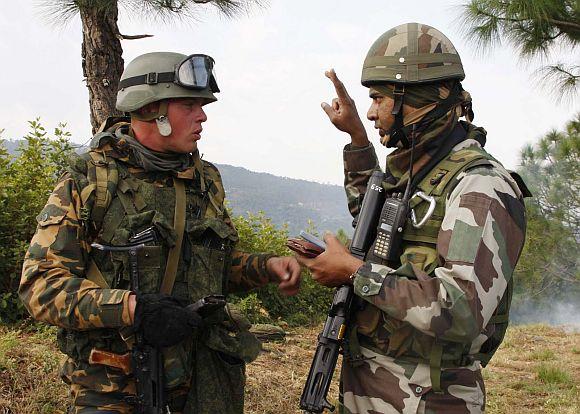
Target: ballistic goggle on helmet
column 164, row 75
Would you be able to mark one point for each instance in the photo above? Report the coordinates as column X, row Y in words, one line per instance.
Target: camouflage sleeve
column 359, row 165
column 248, row 271
column 52, row 286
column 480, row 240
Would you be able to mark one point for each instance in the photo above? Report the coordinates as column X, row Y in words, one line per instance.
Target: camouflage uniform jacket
column 447, row 300
column 54, row 287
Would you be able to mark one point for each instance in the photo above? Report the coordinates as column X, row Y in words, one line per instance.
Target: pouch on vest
column 222, row 352
column 210, row 241
column 151, row 258
column 218, row 383
column 178, row 363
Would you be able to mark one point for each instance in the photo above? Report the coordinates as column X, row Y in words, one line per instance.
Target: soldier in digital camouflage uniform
column 430, row 320
column 140, row 172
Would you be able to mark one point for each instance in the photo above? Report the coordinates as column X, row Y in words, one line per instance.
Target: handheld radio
column 391, row 222
column 394, row 214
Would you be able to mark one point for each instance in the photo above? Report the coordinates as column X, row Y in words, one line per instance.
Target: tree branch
column 559, row 23
column 132, row 37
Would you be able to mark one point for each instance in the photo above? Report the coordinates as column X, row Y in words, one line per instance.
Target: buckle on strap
column 399, row 89
column 432, row 203
column 151, row 78
column 398, row 94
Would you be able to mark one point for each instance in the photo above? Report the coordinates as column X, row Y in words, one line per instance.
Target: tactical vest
column 401, row 340
column 117, row 205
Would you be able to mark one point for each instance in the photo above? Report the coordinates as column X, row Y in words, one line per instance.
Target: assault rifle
column 146, row 360
column 315, row 392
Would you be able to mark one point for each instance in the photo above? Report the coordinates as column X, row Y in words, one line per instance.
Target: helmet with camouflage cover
column 405, row 59
column 154, row 77
column 411, row 53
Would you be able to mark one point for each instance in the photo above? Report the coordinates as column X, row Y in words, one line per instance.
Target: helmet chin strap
column 163, row 125
column 160, row 117
column 396, row 132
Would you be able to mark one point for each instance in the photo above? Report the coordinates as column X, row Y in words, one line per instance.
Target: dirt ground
column 537, row 370
column 513, row 382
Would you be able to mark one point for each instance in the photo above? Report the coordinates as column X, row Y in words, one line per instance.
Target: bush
column 258, row 234
column 27, row 180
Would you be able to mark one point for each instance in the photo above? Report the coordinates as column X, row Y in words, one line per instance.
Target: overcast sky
column 270, row 67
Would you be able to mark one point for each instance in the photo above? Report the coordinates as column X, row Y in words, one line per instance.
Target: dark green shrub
column 27, row 179
column 259, row 234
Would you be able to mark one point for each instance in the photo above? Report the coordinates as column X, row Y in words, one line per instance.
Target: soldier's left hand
column 333, row 267
column 286, row 270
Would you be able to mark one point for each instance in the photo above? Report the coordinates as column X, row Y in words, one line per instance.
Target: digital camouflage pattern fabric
column 442, row 295
column 55, row 289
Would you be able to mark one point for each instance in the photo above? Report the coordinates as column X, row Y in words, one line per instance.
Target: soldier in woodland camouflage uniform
column 140, row 172
column 430, row 320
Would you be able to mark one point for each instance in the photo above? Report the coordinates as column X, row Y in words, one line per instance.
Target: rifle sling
column 179, row 226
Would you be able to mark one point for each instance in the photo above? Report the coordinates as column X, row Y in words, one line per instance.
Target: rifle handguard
column 314, row 395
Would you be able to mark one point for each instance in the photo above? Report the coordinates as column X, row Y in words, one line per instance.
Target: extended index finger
column 338, row 85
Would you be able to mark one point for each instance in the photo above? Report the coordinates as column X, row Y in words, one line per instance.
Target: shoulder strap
column 179, row 226
column 211, row 184
column 526, row 193
column 439, row 182
column 103, row 178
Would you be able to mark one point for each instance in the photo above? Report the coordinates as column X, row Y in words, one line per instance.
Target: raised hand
column 342, row 112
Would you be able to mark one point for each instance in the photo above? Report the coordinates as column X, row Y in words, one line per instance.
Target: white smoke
column 566, row 314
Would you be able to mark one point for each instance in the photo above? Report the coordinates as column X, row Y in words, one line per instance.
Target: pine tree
column 102, row 52
column 535, row 28
column 549, row 266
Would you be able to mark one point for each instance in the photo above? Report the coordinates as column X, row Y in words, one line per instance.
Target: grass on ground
column 536, row 370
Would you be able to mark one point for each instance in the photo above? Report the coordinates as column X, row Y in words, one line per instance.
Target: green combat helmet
column 159, row 76
column 412, row 54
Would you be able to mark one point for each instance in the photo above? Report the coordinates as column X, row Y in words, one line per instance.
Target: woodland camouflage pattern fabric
column 412, row 53
column 55, row 290
column 448, row 297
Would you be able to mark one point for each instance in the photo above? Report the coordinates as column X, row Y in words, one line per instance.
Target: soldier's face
column 380, row 111
column 185, row 117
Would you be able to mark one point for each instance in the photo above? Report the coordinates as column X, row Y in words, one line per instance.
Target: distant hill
column 284, row 200
column 11, row 146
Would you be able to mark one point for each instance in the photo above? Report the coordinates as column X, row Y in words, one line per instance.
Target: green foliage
column 551, row 374
column 27, row 180
column 552, row 167
column 534, row 27
column 165, row 10
column 548, row 267
column 259, row 234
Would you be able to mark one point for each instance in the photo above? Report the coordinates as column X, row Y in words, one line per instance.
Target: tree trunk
column 102, row 59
